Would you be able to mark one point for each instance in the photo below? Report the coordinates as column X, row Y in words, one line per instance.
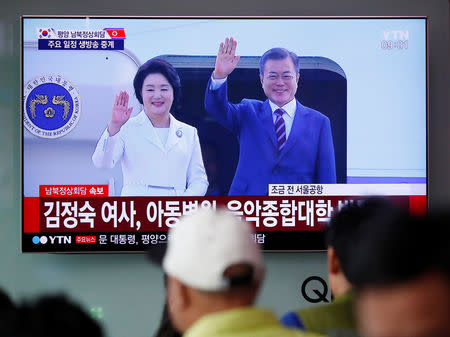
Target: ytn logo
column 59, row 239
column 396, row 34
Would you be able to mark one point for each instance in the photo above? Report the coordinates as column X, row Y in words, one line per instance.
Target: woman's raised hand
column 120, row 113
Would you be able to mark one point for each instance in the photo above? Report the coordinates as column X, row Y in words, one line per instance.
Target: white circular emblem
column 179, row 133
column 51, row 106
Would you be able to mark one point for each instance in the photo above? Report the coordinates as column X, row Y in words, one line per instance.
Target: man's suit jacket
column 307, row 157
column 149, row 167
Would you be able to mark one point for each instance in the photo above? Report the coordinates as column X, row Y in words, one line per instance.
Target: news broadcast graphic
column 105, row 39
column 366, row 76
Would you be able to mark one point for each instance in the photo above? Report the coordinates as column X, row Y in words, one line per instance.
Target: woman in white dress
column 160, row 156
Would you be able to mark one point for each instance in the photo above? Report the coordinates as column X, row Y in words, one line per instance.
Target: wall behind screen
column 124, row 289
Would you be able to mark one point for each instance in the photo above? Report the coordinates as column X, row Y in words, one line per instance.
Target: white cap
column 203, row 245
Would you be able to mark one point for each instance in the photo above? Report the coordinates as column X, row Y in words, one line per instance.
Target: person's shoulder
column 251, row 104
column 290, row 332
column 333, row 315
column 312, row 317
column 310, row 112
column 188, row 129
column 313, row 310
column 292, row 320
column 309, row 334
column 183, row 125
column 252, row 101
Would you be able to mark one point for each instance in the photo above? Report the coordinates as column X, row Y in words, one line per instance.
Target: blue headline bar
column 77, row 44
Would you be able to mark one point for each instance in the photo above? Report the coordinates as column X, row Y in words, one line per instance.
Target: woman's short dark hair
column 158, row 66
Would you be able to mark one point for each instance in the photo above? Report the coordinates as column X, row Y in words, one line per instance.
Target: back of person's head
column 211, row 259
column 205, row 247
column 398, row 248
column 401, row 272
column 345, row 227
column 53, row 316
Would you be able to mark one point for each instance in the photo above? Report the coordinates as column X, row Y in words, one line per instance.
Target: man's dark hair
column 400, row 249
column 158, row 66
column 53, row 316
column 345, row 227
column 278, row 54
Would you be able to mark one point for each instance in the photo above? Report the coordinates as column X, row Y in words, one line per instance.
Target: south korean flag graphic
column 46, row 33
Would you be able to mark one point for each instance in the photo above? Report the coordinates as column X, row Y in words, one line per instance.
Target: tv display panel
column 366, row 76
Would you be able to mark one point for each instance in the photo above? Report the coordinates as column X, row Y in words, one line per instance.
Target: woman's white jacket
column 148, row 166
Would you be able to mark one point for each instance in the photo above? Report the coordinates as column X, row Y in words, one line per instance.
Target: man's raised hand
column 226, row 59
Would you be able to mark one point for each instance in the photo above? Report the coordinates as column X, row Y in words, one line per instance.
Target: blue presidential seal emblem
column 51, row 106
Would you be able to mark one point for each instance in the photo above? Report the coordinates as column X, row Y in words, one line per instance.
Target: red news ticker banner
column 31, row 215
column 153, row 214
column 73, row 191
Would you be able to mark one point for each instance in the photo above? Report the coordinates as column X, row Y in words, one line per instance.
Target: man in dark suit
column 281, row 141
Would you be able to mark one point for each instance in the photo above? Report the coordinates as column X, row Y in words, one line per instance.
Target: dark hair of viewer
column 402, row 248
column 53, row 316
column 345, row 226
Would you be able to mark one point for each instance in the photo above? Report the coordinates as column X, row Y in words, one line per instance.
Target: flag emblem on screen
column 116, row 33
column 46, row 33
column 51, row 106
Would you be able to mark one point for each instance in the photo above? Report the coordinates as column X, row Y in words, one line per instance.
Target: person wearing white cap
column 214, row 271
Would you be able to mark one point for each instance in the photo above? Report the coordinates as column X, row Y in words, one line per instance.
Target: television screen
column 130, row 123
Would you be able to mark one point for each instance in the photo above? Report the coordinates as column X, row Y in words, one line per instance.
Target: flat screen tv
column 103, row 172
